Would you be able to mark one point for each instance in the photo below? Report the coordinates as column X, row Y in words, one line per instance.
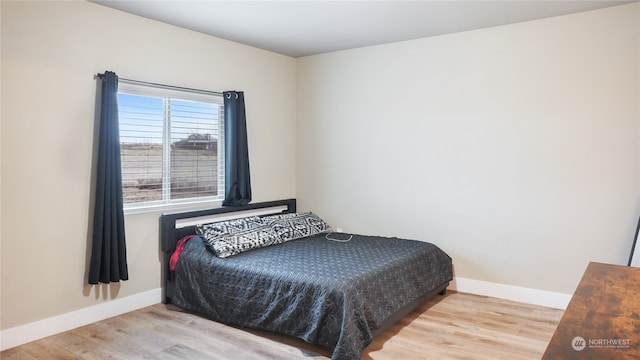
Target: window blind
column 171, row 145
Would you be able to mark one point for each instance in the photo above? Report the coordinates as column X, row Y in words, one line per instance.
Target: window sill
column 165, row 208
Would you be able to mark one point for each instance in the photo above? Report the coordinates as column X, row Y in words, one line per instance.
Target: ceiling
column 301, row 28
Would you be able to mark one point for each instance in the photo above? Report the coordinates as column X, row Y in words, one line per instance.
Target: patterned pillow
column 225, row 246
column 228, row 227
column 295, row 226
column 233, row 237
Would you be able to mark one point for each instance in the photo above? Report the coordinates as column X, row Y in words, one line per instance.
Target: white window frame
column 167, row 204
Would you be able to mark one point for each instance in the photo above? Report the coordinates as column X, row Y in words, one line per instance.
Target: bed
column 329, row 289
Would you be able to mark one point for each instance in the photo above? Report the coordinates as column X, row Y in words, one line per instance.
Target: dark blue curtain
column 108, row 253
column 237, row 181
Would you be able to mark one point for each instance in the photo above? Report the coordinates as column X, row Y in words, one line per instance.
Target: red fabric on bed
column 176, row 254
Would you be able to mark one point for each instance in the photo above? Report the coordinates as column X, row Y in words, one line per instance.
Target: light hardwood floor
column 454, row 326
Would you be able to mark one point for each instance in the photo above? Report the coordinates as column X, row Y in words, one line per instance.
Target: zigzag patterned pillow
column 233, row 237
column 295, row 226
column 228, row 227
column 237, row 243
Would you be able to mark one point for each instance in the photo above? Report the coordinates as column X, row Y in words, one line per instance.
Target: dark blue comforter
column 328, row 293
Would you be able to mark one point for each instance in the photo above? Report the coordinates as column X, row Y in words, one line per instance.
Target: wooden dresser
column 602, row 320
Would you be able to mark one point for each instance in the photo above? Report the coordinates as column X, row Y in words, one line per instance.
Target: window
column 170, row 146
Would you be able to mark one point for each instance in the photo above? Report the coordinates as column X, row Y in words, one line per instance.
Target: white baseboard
column 510, row 292
column 40, row 329
column 54, row 325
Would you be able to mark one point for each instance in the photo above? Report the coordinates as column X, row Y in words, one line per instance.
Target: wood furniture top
column 602, row 320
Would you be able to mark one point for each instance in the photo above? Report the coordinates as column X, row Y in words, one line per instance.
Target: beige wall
column 50, row 52
column 514, row 148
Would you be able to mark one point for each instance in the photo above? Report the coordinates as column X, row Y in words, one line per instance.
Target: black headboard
column 174, row 226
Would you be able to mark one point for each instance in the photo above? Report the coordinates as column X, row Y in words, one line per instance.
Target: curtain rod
column 163, row 86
